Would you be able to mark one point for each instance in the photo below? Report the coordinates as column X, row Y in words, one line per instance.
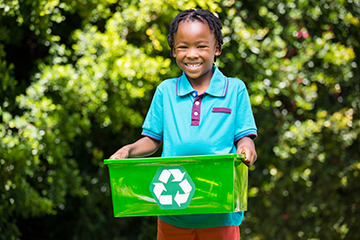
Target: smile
column 193, row 65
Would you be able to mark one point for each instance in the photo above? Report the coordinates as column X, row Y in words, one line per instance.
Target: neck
column 200, row 87
column 202, row 83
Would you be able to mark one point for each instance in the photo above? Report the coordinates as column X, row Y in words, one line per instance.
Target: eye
column 202, row 46
column 181, row 47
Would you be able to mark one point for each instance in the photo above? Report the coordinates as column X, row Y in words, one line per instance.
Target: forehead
column 193, row 30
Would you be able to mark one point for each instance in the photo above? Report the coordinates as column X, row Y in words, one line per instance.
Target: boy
column 201, row 112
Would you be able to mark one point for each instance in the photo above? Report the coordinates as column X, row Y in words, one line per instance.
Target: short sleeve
column 245, row 123
column 154, row 121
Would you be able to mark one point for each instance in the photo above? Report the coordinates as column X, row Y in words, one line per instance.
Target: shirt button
column 194, row 94
column 197, row 103
column 196, row 113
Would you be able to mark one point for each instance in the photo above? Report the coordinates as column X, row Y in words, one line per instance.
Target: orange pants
column 170, row 232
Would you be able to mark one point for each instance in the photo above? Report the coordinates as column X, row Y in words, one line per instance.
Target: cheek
column 178, row 62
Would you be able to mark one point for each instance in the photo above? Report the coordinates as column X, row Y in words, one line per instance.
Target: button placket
column 195, row 113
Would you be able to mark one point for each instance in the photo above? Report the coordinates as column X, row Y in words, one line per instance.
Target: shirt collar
column 217, row 87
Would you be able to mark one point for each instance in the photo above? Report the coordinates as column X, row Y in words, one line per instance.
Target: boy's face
column 195, row 48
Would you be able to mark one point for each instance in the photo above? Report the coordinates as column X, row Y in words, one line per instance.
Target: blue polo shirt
column 191, row 124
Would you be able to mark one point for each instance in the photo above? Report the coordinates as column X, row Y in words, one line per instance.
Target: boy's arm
column 247, row 146
column 142, row 147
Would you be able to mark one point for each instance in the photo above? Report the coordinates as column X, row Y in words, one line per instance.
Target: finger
column 115, row 156
column 246, row 159
column 250, row 158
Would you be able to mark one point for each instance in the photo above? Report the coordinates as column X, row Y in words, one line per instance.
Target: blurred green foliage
column 77, row 78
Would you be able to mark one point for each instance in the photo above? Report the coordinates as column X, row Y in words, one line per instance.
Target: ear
column 218, row 50
column 173, row 52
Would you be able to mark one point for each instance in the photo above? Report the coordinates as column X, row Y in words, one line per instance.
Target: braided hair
column 199, row 15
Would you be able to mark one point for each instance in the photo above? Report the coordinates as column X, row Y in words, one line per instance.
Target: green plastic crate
column 178, row 185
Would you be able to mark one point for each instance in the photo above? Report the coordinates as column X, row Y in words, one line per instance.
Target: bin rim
column 232, row 156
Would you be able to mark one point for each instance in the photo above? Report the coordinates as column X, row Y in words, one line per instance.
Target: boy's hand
column 121, row 153
column 143, row 147
column 247, row 146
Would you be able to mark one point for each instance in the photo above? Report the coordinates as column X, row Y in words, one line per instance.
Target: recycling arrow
column 158, row 189
column 164, row 199
column 177, row 174
column 185, row 186
column 164, row 176
column 181, row 198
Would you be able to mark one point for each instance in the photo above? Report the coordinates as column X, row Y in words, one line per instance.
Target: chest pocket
column 221, row 110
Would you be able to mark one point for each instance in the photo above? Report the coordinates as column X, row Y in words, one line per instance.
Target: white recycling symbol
column 173, row 193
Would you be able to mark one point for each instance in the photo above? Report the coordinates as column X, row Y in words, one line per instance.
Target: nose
column 192, row 52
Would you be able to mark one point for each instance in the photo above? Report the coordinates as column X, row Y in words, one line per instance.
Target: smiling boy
column 195, row 49
column 201, row 112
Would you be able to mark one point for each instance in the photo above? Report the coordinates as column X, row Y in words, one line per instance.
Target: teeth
column 193, row 65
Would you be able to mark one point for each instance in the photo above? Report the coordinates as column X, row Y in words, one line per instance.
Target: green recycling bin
column 178, row 185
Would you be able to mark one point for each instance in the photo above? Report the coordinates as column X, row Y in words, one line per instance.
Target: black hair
column 201, row 15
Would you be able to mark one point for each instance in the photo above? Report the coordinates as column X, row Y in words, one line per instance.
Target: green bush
column 77, row 78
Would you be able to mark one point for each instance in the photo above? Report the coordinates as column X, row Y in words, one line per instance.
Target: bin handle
column 240, row 157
